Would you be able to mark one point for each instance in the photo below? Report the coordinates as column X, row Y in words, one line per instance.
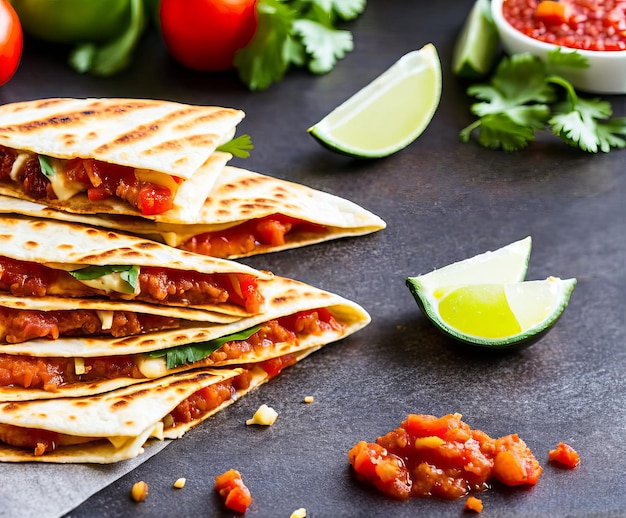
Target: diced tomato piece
column 551, row 13
column 231, row 488
column 385, row 471
column 564, row 455
column 514, row 464
column 473, row 504
column 155, row 199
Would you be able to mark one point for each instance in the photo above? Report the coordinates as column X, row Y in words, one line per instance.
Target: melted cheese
column 106, row 319
column 110, row 282
column 62, row 187
column 265, row 415
column 151, row 367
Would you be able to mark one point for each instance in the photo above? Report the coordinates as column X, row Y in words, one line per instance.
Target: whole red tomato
column 206, row 34
column 11, row 40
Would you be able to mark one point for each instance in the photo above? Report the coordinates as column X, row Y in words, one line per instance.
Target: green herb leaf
column 115, row 55
column 324, row 45
column 238, row 146
column 129, row 274
column 182, row 354
column 523, row 96
column 295, row 32
column 46, row 166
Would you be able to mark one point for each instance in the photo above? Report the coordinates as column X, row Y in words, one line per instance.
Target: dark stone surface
column 443, row 201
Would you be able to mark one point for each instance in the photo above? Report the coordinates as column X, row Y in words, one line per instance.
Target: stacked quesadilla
column 93, row 362
column 122, row 317
column 117, row 163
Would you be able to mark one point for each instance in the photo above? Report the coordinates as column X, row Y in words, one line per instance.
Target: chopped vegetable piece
column 231, row 488
column 473, row 504
column 551, row 12
column 564, row 455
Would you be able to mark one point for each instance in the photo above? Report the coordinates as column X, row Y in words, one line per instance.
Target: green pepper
column 104, row 32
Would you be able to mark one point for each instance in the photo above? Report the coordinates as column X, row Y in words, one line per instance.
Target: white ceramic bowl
column 606, row 73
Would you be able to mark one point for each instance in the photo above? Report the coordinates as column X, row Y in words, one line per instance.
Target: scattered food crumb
column 180, row 483
column 564, row 455
column 299, row 513
column 139, row 492
column 265, row 416
column 473, row 504
column 309, row 399
column 231, row 488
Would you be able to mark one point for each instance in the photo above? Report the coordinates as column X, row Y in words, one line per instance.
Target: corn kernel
column 180, row 483
column 431, row 441
column 139, row 492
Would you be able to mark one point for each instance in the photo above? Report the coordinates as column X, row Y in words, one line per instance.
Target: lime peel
column 462, row 302
column 477, row 46
column 387, row 114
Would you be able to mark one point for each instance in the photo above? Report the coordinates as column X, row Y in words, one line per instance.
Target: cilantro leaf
column 190, row 353
column 301, row 33
column 239, row 146
column 266, row 58
column 523, row 96
column 46, row 167
column 581, row 122
column 324, row 45
column 557, row 59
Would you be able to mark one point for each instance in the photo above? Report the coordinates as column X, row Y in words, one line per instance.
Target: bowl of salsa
column 595, row 29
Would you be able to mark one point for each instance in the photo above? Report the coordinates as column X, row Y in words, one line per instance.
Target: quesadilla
column 246, row 213
column 115, row 426
column 298, row 317
column 50, row 258
column 117, row 156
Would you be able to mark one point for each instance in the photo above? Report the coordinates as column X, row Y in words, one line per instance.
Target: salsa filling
column 250, row 235
column 194, row 407
column 578, row 24
column 20, row 325
column 427, row 456
column 50, row 373
column 100, row 180
column 155, row 285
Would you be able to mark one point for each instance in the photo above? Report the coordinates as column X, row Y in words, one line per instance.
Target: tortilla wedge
column 114, row 426
column 151, row 352
column 63, row 250
column 169, row 144
column 238, row 199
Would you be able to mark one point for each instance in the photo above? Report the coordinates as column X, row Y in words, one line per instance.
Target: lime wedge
column 483, row 300
column 506, row 264
column 495, row 315
column 477, row 45
column 389, row 113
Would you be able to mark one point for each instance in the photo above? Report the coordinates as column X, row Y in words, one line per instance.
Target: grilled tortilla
column 246, row 213
column 44, row 257
column 114, row 426
column 299, row 317
column 118, row 156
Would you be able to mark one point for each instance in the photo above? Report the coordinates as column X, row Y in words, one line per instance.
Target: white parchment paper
column 40, row 490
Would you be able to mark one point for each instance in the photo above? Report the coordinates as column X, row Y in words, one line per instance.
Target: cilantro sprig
column 300, row 33
column 182, row 354
column 527, row 94
column 239, row 146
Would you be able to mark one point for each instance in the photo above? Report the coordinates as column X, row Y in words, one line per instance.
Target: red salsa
column 577, row 24
column 245, row 238
column 428, row 456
